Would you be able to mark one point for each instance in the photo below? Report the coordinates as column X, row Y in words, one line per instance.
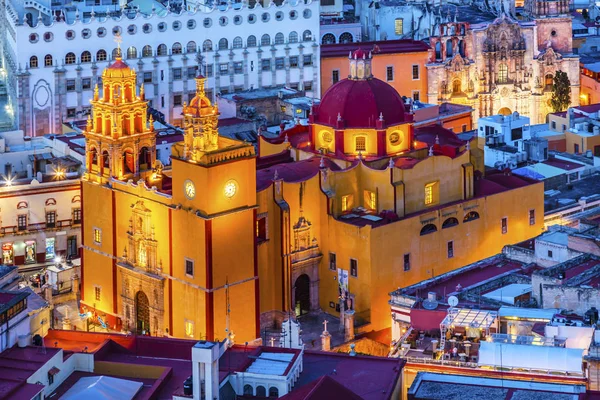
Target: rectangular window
column 360, row 143
column 399, row 26
column 177, row 99
column 564, row 127
column 332, row 262
column 97, row 293
column 22, row 222
column 353, row 267
column 51, row 219
column 279, row 63
column 308, row 85
column 370, row 200
column 416, row 95
column 531, row 217
column 147, row 77
column 294, row 62
column 177, row 74
column 192, row 72
column 407, row 262
column 347, row 202
column 238, row 67
column 307, row 60
column 553, row 125
column 389, row 73
column 430, row 193
column 464, row 127
column 261, row 228
column 77, row 216
column 189, row 267
column 504, row 225
column 71, row 112
column 86, row 83
column 50, row 248
column 30, row 252
column 50, row 379
column 576, row 148
column 450, row 249
column 335, row 75
column 70, row 85
column 415, row 72
column 97, row 236
column 224, row 68
column 549, row 253
column 265, row 64
column 189, row 328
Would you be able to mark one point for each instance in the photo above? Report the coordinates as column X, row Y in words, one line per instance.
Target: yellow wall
column 585, row 142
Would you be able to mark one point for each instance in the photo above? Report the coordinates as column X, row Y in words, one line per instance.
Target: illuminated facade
column 157, row 243
column 376, row 203
column 504, row 66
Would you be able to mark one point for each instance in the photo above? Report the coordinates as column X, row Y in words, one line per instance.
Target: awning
column 53, row 371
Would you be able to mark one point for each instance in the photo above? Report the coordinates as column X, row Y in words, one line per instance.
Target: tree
column 561, row 92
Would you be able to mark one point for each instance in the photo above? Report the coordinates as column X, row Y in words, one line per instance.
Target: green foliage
column 561, row 92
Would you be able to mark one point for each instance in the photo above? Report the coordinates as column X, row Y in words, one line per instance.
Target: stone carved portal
column 141, row 276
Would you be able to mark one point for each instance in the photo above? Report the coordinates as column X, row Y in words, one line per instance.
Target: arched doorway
column 302, row 295
column 142, row 312
column 504, row 111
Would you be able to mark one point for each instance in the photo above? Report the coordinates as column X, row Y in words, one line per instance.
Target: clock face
column 189, row 189
column 230, row 188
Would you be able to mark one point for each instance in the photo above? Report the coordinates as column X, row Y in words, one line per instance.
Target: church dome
column 360, row 103
column 118, row 69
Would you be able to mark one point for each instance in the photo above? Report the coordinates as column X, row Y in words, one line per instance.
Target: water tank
column 23, row 340
column 431, row 296
column 188, row 387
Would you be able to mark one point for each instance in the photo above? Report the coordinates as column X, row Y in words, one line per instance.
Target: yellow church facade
column 158, row 244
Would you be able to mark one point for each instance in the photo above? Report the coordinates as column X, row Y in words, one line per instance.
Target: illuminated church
column 331, row 216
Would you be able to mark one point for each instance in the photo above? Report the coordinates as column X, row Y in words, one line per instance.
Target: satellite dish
column 430, row 304
column 452, row 301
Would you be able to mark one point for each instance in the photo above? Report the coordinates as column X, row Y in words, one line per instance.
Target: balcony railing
column 16, row 230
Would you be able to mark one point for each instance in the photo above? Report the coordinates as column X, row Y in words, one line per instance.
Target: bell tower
column 200, row 120
column 360, row 65
column 120, row 140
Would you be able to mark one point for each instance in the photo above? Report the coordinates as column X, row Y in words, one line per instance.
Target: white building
column 52, row 58
column 503, row 138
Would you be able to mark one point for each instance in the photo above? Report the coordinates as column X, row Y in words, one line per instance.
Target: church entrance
column 142, row 313
column 302, row 295
column 504, row 111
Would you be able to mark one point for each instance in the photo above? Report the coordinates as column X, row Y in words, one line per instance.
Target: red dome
column 360, row 103
column 118, row 64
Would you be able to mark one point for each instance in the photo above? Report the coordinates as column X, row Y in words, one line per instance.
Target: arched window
column 93, row 156
column 461, row 48
column 261, row 391
column 33, row 62
column 147, row 51
column 86, row 57
column 438, row 51
column 48, row 60
column 248, row 391
column 101, row 55
column 207, row 45
column 70, row 58
column 105, row 159
column 177, row 48
column 131, row 53
column 450, row 222
column 449, row 48
column 502, row 73
column 346, row 37
column 279, row 38
column 427, row 229
column 273, row 392
column 307, row 36
column 549, row 81
column 191, row 47
column 161, row 50
column 293, row 37
column 265, row 40
column 328, row 38
column 456, row 86
column 223, row 44
column 471, row 216
column 251, row 41
column 238, row 43
column 116, row 53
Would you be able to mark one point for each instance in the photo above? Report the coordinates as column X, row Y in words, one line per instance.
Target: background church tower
column 120, row 141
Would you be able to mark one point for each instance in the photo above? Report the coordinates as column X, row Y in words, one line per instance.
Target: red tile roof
column 382, row 47
column 298, row 171
column 323, row 388
column 563, row 164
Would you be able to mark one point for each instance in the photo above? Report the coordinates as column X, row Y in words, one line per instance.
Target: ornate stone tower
column 200, row 120
column 360, row 65
column 120, row 141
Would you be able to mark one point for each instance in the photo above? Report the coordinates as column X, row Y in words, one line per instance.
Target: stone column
column 259, row 68
column 230, row 70
column 301, row 66
column 184, row 77
column 60, row 94
column 316, row 65
column 155, row 84
column 170, row 93
column 140, row 72
column 325, row 338
column 287, row 65
column 79, row 88
column 245, row 66
column 273, row 65
column 349, row 325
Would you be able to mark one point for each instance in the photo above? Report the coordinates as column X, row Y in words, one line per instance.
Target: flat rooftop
column 262, row 93
column 569, row 194
column 582, row 270
column 376, row 47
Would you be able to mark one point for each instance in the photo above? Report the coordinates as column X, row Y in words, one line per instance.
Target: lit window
column 531, row 217
column 261, row 228
column 97, row 235
column 429, row 193
column 77, row 216
column 504, row 225
column 370, row 200
column 347, row 202
column 416, row 95
column 502, row 73
column 97, row 293
column 189, row 328
column 189, row 267
column 399, row 26
column 360, row 143
column 50, row 219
